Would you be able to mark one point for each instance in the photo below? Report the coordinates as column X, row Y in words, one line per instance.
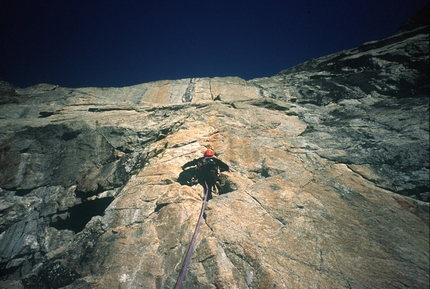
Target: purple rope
column 193, row 240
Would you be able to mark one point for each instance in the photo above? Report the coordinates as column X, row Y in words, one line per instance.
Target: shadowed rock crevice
column 417, row 192
column 23, row 192
column 188, row 95
column 227, row 185
column 159, row 207
column 79, row 215
column 53, row 275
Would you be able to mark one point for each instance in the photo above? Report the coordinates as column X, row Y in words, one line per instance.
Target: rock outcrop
column 328, row 188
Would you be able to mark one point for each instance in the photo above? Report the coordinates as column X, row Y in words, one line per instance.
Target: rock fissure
column 188, row 95
column 210, row 89
column 108, row 109
column 266, row 211
column 317, row 247
column 79, row 215
column 206, row 222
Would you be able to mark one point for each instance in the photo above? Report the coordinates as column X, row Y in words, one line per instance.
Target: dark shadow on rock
column 190, row 177
column 51, row 275
column 79, row 215
column 227, row 185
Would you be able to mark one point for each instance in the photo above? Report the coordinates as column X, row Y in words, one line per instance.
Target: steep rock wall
column 328, row 188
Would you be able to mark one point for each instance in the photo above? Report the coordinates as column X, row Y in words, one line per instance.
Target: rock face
column 328, row 188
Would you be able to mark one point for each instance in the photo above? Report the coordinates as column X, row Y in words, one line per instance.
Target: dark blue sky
column 119, row 43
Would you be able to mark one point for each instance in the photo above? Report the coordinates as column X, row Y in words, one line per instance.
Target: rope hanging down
column 193, row 240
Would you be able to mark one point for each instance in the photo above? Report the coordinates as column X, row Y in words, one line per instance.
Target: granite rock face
column 328, row 187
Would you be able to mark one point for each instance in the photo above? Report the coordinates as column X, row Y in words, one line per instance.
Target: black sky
column 79, row 43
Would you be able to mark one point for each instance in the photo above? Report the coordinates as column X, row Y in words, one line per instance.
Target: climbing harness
column 193, row 240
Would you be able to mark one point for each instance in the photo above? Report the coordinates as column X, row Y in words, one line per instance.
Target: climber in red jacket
column 208, row 169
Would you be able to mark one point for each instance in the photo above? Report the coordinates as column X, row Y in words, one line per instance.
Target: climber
column 208, row 170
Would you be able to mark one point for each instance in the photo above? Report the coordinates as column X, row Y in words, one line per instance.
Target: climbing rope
column 193, row 240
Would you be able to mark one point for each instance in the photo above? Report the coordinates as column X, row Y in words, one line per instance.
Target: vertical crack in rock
column 210, row 89
column 105, row 138
column 242, row 262
column 318, row 248
column 206, row 222
column 189, row 92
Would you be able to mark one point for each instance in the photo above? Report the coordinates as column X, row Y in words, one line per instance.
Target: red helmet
column 209, row 153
